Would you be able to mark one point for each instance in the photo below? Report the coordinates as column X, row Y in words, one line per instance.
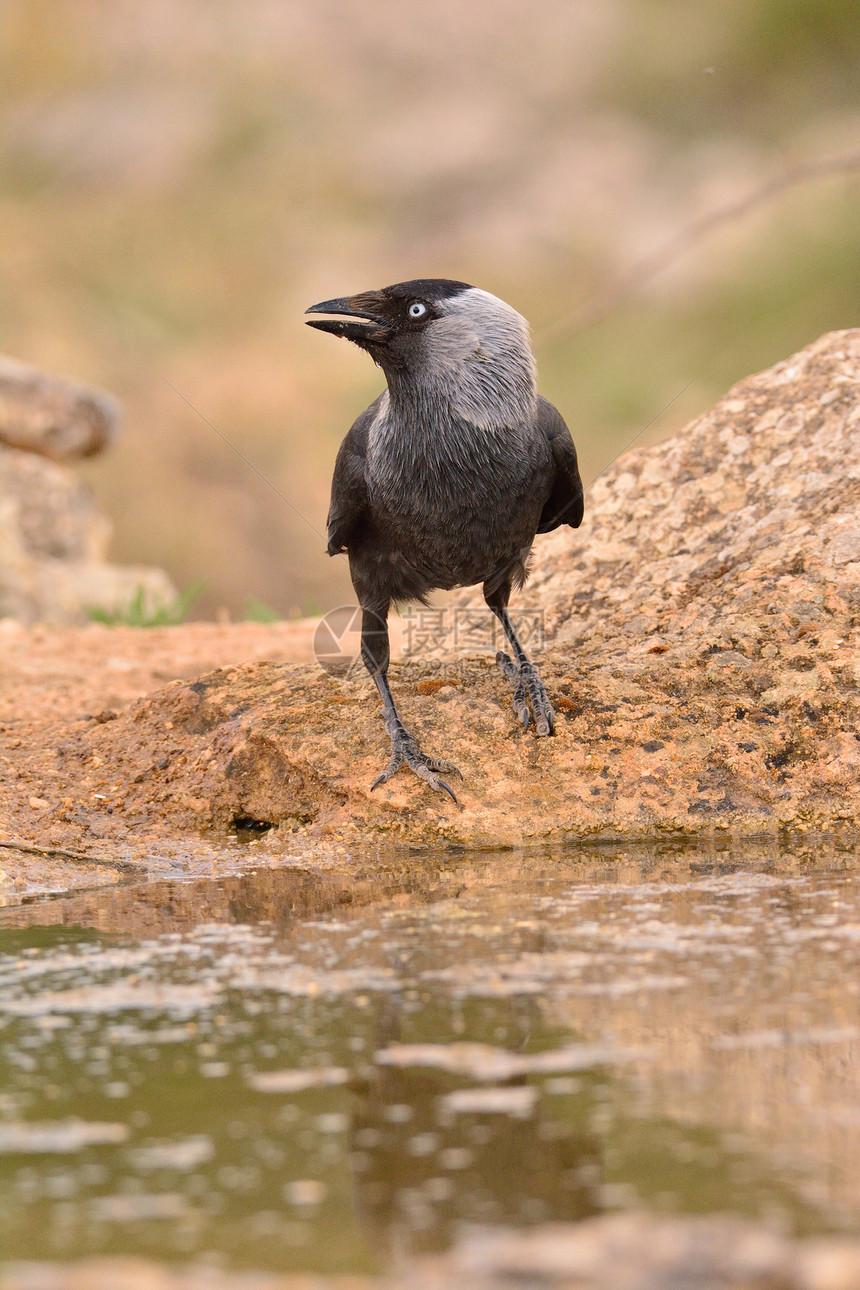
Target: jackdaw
column 446, row 478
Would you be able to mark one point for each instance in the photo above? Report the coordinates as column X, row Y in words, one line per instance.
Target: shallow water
column 283, row 1072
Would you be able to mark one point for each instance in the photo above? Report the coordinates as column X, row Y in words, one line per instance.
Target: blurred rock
column 703, row 658
column 53, row 538
column 54, row 417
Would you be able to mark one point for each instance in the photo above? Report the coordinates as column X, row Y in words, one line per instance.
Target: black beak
column 366, row 321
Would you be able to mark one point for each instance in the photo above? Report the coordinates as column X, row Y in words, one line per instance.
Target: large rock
column 703, row 656
column 741, row 534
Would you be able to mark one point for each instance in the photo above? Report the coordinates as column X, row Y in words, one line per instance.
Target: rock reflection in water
column 288, row 1072
column 424, row 1164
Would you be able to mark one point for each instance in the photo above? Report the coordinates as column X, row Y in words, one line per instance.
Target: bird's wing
column 348, row 506
column 565, row 503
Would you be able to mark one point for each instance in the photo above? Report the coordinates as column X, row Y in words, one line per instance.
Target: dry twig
column 29, row 848
column 596, row 309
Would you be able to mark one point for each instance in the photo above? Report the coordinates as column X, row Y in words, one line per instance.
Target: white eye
column 416, row 309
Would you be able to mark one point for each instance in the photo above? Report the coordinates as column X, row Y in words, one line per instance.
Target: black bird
column 446, row 478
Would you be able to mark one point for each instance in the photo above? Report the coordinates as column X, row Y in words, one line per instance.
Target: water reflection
column 430, row 1150
column 287, row 1072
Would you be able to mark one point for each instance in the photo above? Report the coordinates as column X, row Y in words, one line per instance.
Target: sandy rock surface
column 702, row 653
column 58, row 682
column 741, row 534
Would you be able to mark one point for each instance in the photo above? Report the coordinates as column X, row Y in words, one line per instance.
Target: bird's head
column 457, row 344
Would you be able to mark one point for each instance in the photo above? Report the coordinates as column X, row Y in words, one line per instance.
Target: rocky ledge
column 702, row 634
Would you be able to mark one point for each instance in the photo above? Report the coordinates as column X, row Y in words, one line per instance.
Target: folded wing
column 565, row 502
column 348, row 507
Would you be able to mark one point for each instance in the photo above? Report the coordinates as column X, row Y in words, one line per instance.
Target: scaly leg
column 529, row 689
column 404, row 746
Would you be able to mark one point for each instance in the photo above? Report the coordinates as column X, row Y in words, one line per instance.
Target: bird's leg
column 404, row 746
column 529, row 689
column 405, row 750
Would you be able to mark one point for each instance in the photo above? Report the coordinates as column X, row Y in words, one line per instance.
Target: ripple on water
column 324, row 1094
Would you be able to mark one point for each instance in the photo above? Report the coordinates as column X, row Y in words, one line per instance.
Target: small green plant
column 137, row 613
column 257, row 611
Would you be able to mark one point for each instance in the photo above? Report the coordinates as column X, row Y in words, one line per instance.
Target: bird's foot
column 405, row 752
column 528, row 689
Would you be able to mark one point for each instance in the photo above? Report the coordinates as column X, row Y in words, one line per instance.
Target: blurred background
column 181, row 178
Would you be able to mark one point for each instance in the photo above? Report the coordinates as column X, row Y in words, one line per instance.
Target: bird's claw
column 529, row 689
column 405, row 752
